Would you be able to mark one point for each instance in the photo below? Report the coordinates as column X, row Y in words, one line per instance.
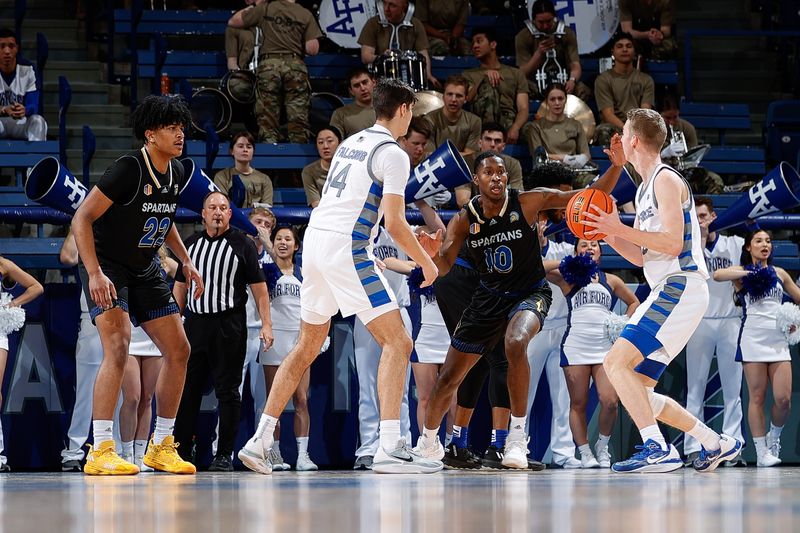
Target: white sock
column 602, row 441
column 761, row 445
column 389, row 431
column 276, row 446
column 430, row 434
column 139, row 448
column 585, row 450
column 775, row 432
column 707, row 437
column 102, row 430
column 266, row 424
column 127, row 448
column 517, row 425
column 164, row 428
column 302, row 445
column 653, row 433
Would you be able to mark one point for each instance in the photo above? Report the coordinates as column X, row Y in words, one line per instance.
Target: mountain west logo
column 148, row 189
column 474, row 228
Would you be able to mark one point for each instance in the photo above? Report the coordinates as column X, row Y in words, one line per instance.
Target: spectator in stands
column 415, row 143
column 315, row 174
column 650, row 23
column 493, row 138
column 532, row 47
column 444, row 23
column 498, row 92
column 240, row 43
column 359, row 114
column 452, row 122
column 244, row 185
column 557, row 136
column 19, row 98
column 620, row 89
column 290, row 32
column 392, row 30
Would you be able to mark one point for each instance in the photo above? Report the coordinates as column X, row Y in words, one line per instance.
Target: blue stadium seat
column 783, row 131
column 720, row 117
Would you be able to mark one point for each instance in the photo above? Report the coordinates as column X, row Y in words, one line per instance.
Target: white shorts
column 762, row 345
column 432, row 344
column 141, row 345
column 584, row 347
column 3, row 342
column 284, row 341
column 662, row 325
column 337, row 278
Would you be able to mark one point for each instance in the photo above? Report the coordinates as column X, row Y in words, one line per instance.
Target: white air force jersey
column 253, row 319
column 761, row 312
column 557, row 314
column 284, row 303
column 367, row 165
column 722, row 253
column 658, row 266
column 24, row 82
column 588, row 308
column 383, row 247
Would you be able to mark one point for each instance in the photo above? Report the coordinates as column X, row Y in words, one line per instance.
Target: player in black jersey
column 118, row 229
column 511, row 302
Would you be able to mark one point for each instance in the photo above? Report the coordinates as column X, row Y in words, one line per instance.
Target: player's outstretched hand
column 431, row 272
column 266, row 337
column 102, row 291
column 431, row 243
column 604, row 223
column 380, row 264
column 614, row 151
column 191, row 274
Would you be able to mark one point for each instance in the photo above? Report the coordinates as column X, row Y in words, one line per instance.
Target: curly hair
column 159, row 111
column 549, row 174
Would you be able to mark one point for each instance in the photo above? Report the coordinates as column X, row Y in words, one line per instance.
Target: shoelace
column 646, row 451
column 171, row 450
column 704, row 454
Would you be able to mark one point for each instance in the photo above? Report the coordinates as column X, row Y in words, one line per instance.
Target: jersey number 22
column 155, row 231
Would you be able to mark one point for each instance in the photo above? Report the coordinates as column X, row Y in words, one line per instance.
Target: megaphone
column 444, row 169
column 52, row 184
column 625, row 189
column 197, row 186
column 778, row 190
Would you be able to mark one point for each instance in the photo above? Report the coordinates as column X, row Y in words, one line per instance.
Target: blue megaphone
column 625, row 189
column 778, row 190
column 52, row 184
column 197, row 186
column 444, row 169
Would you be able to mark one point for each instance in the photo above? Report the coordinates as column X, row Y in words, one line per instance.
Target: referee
column 216, row 324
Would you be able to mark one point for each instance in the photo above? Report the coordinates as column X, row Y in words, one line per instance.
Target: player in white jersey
column 763, row 350
column 367, row 179
column 585, row 344
column 717, row 333
column 19, row 97
column 665, row 241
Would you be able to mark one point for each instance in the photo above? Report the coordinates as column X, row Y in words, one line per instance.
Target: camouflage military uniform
column 497, row 104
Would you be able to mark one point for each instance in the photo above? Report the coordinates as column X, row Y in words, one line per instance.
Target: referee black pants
column 219, row 345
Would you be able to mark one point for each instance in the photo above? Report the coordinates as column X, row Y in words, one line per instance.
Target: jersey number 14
column 337, row 179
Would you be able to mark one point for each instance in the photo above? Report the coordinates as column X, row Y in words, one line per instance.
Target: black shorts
column 143, row 294
column 454, row 292
column 484, row 322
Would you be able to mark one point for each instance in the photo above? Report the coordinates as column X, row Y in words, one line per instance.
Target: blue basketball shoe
column 709, row 460
column 651, row 458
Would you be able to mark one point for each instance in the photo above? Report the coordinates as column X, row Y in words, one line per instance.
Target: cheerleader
column 139, row 384
column 763, row 349
column 284, row 281
column 591, row 295
column 10, row 276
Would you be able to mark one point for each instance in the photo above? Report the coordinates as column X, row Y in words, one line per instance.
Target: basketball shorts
column 662, row 325
column 339, row 277
column 143, row 294
column 483, row 324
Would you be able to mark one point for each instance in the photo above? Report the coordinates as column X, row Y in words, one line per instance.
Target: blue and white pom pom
column 11, row 318
column 759, row 281
column 613, row 325
column 578, row 270
column 415, row 279
column 787, row 320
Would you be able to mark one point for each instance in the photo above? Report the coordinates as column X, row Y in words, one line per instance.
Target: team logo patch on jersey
column 474, row 228
column 513, row 217
column 148, row 189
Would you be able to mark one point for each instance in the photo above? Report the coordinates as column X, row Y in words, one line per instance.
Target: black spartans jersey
column 145, row 200
column 505, row 248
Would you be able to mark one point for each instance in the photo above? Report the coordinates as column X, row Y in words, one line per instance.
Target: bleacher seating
column 782, row 128
column 720, row 117
column 21, row 155
column 267, row 156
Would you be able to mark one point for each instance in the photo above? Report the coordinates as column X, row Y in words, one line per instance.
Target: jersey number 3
column 499, row 259
column 337, row 179
column 155, row 231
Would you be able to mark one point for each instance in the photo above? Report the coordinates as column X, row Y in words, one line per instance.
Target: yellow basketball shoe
column 165, row 457
column 104, row 461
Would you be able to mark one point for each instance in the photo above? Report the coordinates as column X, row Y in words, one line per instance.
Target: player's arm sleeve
column 391, row 166
column 121, row 180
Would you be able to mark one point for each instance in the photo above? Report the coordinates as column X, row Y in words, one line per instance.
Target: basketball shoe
column 603, row 456
column 709, row 460
column 164, row 457
column 460, row 458
column 429, row 449
column 403, row 460
column 104, row 461
column 651, row 458
column 515, row 453
column 278, row 464
column 256, row 456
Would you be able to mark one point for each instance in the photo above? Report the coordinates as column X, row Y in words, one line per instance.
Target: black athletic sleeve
column 120, row 182
column 253, row 270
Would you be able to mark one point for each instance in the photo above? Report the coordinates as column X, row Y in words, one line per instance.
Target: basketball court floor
column 730, row 500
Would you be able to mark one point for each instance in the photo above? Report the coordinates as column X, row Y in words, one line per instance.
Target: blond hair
column 263, row 211
column 649, row 126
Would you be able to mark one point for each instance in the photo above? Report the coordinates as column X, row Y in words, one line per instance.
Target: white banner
column 342, row 20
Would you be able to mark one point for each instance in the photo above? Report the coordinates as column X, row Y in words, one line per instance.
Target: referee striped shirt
column 227, row 264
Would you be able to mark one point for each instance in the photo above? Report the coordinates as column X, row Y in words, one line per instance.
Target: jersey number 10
column 498, row 259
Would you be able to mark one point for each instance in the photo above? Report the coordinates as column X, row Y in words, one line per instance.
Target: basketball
column 580, row 204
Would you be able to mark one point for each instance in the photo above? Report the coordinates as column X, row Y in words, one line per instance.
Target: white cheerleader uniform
column 585, row 341
column 141, row 345
column 760, row 340
column 433, row 340
column 284, row 305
